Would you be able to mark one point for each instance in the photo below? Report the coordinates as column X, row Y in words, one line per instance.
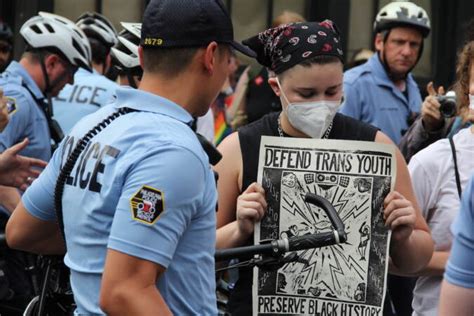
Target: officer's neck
column 35, row 72
column 180, row 89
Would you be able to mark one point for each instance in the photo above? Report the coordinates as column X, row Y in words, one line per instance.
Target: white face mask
column 471, row 101
column 311, row 118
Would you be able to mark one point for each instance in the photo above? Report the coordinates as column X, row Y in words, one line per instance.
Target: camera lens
column 447, row 106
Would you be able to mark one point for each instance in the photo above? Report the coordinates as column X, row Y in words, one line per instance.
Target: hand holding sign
column 399, row 215
column 251, row 207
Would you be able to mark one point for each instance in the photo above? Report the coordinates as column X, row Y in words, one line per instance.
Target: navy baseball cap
column 188, row 23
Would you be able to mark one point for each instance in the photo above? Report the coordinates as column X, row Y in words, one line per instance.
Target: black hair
column 36, row 54
column 320, row 60
column 99, row 51
column 170, row 61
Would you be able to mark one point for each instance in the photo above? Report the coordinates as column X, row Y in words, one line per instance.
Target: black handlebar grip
column 243, row 252
column 313, row 241
column 330, row 211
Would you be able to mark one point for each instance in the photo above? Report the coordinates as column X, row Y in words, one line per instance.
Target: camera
column 447, row 104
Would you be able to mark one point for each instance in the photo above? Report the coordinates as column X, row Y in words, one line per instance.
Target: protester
column 309, row 84
column 254, row 96
column 438, row 184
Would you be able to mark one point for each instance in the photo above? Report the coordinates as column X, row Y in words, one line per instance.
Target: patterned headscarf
column 287, row 45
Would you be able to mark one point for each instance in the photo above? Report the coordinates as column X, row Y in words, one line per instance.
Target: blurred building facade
column 354, row 18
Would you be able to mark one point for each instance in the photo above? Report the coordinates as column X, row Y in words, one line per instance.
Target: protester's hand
column 3, row 111
column 19, row 171
column 251, row 207
column 432, row 118
column 399, row 215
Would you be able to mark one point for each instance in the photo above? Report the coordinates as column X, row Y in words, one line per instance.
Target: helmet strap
column 47, row 85
column 131, row 80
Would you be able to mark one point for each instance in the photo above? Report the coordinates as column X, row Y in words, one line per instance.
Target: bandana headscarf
column 285, row 46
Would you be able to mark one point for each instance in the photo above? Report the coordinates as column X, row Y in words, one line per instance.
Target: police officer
column 54, row 48
column 139, row 203
column 125, row 55
column 125, row 59
column 90, row 91
column 382, row 92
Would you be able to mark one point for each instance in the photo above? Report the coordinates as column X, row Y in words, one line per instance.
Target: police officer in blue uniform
column 382, row 92
column 139, row 202
column 55, row 47
column 91, row 90
column 125, row 55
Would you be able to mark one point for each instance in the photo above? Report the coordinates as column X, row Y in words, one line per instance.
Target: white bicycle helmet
column 402, row 13
column 125, row 54
column 48, row 30
column 98, row 26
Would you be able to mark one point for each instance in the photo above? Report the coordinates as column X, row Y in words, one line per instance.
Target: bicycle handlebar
column 280, row 246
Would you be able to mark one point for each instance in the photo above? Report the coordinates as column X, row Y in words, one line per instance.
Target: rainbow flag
column 221, row 128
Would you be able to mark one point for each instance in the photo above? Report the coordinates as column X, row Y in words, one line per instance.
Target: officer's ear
column 51, row 61
column 210, row 57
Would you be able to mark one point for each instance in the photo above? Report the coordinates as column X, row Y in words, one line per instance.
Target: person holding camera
column 443, row 115
column 438, row 183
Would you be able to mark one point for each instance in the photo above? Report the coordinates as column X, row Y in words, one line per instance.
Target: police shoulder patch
column 147, row 204
column 11, row 105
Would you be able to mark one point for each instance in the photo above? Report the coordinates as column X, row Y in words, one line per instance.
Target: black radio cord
column 71, row 161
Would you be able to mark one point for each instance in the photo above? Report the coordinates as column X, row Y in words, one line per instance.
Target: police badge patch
column 11, row 105
column 147, row 204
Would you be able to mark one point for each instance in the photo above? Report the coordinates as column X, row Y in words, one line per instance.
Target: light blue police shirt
column 27, row 118
column 144, row 187
column 460, row 267
column 89, row 92
column 370, row 96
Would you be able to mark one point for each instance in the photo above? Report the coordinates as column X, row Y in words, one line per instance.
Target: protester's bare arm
column 28, row 233
column 435, row 267
column 456, row 300
column 129, row 286
column 18, row 171
column 237, row 212
column 411, row 246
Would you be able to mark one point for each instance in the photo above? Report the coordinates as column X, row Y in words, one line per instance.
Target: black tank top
column 344, row 127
